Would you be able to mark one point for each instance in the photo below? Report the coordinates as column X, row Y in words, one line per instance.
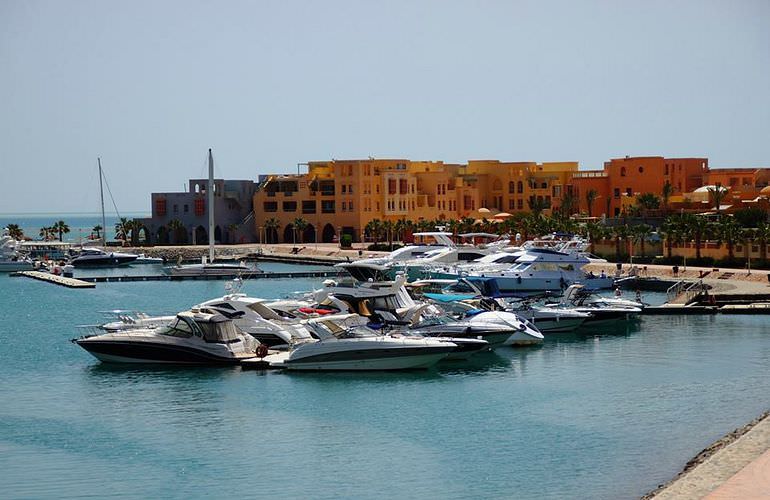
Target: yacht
column 96, row 257
column 345, row 343
column 492, row 328
column 10, row 258
column 543, row 269
column 193, row 337
column 423, row 242
column 603, row 310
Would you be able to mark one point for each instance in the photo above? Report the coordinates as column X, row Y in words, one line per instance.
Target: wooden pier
column 55, row 279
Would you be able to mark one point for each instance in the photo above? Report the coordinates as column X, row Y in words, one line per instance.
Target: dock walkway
column 55, row 279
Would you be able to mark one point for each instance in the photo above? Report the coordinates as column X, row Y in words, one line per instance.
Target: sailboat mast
column 210, row 203
column 101, row 197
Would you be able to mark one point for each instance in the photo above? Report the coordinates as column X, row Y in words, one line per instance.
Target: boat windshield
column 178, row 328
column 347, row 333
column 461, row 287
column 435, row 320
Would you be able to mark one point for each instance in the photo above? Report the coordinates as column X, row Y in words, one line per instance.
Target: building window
column 629, row 192
column 402, row 188
column 350, row 188
column 200, row 207
column 160, row 207
column 391, row 186
column 327, row 207
column 270, row 206
column 176, row 208
column 350, row 206
column 616, row 192
column 344, row 206
column 308, row 207
column 289, row 206
column 666, row 172
column 186, row 208
column 544, row 185
column 641, row 170
column 520, row 204
column 519, row 187
column 344, row 188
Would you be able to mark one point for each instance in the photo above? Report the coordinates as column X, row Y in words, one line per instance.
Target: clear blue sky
column 150, row 85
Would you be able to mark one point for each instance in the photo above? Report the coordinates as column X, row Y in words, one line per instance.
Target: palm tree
column 639, row 234
column 98, row 230
column 299, row 226
column 673, row 229
column 121, row 229
column 668, row 190
column 568, row 202
column 648, row 201
column 620, row 232
column 398, row 228
column 176, row 227
column 730, row 232
column 271, row 228
column 763, row 236
column 595, row 232
column 698, row 228
column 388, row 226
column 45, row 233
column 61, row 228
column 591, row 196
column 15, row 232
column 537, row 205
column 374, row 229
column 717, row 194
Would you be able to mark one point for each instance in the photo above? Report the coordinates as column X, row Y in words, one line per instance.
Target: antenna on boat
column 211, row 207
column 101, row 197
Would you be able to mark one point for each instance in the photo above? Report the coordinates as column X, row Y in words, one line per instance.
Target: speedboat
column 551, row 320
column 345, row 343
column 495, row 331
column 96, row 257
column 603, row 310
column 194, row 337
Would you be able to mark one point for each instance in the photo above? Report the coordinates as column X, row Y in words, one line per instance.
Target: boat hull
column 560, row 325
column 141, row 352
column 407, row 358
column 15, row 266
column 109, row 261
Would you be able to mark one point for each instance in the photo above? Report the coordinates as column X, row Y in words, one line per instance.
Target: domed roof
column 705, row 189
column 765, row 190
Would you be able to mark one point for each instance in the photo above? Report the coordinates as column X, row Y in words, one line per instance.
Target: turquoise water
column 597, row 415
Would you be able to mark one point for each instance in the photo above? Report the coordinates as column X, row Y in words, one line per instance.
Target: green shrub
column 346, row 241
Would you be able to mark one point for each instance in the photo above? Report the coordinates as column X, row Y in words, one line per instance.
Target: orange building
column 342, row 196
column 624, row 178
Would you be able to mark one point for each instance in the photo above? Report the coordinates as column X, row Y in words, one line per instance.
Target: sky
column 149, row 86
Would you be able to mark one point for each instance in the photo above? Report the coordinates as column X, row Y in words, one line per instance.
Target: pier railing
column 684, row 291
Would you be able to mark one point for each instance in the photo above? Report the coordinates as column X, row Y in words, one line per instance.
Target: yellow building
column 341, row 196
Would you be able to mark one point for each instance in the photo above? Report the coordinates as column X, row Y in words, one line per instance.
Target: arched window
column 622, row 171
column 511, row 187
column 519, row 187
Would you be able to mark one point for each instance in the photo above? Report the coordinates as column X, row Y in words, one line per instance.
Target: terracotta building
column 622, row 179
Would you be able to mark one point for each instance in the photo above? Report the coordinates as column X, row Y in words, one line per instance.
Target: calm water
column 606, row 415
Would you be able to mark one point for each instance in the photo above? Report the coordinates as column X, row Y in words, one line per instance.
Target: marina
column 632, row 422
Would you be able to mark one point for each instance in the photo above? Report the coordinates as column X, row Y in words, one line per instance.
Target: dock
column 55, row 279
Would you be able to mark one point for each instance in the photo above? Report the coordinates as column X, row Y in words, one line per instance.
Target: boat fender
column 261, row 350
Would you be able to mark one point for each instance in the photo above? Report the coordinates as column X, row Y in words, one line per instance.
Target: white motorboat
column 271, row 327
column 550, row 320
column 10, row 258
column 603, row 310
column 194, row 337
column 345, row 343
column 423, row 242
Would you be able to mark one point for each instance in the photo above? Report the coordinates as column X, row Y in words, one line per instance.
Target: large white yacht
column 10, row 259
column 423, row 242
column 194, row 337
column 544, row 269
